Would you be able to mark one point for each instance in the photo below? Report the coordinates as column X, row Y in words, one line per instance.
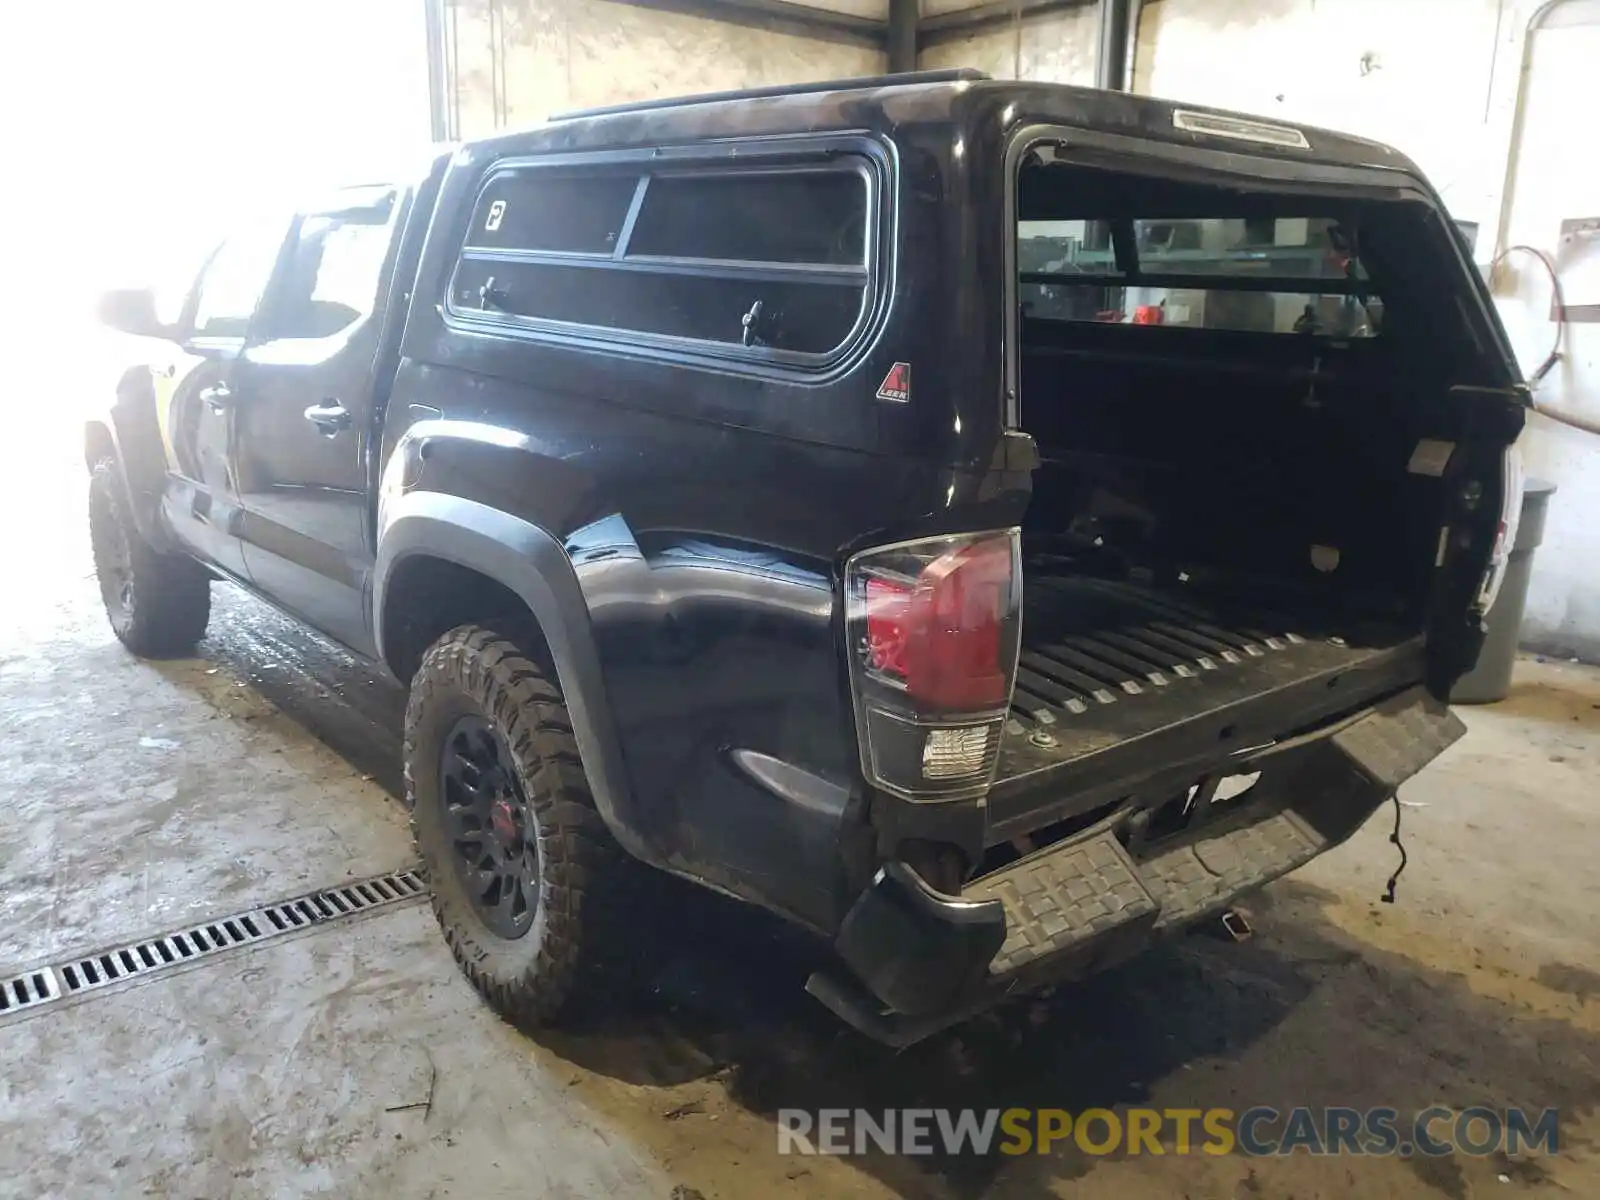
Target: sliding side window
column 762, row 262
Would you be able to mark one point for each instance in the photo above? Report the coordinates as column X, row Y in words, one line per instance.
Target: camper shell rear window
column 1095, row 246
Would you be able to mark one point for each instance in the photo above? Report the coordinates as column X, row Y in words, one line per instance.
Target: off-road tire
column 579, row 938
column 158, row 604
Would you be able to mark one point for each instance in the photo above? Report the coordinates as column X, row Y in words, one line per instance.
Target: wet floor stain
column 352, row 706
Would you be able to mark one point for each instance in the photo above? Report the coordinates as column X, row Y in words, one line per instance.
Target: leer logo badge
column 896, row 385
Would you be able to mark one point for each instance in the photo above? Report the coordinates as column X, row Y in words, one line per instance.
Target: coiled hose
column 1572, row 420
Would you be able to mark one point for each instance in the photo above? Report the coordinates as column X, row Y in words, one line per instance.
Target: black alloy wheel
column 492, row 830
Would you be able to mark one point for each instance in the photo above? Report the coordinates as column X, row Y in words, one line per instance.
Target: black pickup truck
column 991, row 524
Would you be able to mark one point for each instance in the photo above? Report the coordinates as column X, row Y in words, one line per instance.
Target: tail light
column 1505, row 540
column 934, row 627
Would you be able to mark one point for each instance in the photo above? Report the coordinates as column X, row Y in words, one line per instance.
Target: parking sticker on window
column 497, row 212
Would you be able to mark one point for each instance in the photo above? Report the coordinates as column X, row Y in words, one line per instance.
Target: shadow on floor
column 1302, row 1014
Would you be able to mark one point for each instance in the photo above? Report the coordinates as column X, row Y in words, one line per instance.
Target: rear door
column 195, row 393
column 307, row 414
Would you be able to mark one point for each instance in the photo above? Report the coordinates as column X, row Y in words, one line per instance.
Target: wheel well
column 97, row 444
column 428, row 597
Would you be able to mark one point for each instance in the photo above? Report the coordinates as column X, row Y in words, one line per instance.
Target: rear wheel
column 158, row 604
column 528, row 885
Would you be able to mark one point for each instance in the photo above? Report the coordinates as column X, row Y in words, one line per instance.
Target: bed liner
column 1120, row 680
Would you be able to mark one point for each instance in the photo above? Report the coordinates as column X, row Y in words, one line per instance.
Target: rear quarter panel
column 708, row 560
column 707, row 510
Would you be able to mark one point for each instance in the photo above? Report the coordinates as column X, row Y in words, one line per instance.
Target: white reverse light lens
column 953, row 753
column 1512, row 482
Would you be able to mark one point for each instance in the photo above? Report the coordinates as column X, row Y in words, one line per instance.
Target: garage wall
column 1558, row 176
column 1058, row 47
column 1414, row 73
column 517, row 61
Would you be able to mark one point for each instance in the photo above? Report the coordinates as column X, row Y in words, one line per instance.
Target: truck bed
column 1121, row 682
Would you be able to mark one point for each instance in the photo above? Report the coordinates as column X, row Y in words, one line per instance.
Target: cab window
column 233, row 281
column 332, row 270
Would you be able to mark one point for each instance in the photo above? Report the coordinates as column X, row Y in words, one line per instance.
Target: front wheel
column 528, row 885
column 158, row 604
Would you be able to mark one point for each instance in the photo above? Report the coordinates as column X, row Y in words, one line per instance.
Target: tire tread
column 586, row 875
column 172, row 591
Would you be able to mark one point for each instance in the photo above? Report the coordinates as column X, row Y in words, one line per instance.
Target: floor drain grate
column 39, row 986
column 26, row 990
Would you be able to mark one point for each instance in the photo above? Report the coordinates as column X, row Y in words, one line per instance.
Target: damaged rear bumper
column 920, row 960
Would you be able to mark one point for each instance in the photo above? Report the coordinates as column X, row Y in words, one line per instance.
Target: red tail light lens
column 888, row 625
column 934, row 627
column 941, row 634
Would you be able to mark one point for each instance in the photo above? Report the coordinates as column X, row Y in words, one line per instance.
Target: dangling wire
column 1388, row 894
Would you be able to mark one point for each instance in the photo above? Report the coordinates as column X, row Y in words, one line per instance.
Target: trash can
column 1490, row 679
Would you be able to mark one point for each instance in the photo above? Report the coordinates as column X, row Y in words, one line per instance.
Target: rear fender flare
column 532, row 563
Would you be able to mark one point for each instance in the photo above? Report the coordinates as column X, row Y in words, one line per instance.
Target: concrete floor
column 135, row 798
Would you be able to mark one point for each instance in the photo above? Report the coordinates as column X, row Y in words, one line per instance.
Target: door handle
column 218, row 396
column 330, row 416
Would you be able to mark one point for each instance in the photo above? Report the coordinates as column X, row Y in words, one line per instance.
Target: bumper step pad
column 1195, row 879
column 1065, row 899
column 1063, row 905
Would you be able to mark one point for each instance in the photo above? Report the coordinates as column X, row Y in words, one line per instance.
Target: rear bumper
column 920, row 960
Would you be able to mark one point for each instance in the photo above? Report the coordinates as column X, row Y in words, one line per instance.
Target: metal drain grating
column 97, row 970
column 26, row 990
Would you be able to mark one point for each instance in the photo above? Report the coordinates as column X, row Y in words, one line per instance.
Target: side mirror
column 131, row 310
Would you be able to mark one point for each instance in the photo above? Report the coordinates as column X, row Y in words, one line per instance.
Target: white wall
column 1558, row 176
column 1413, row 73
column 554, row 55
